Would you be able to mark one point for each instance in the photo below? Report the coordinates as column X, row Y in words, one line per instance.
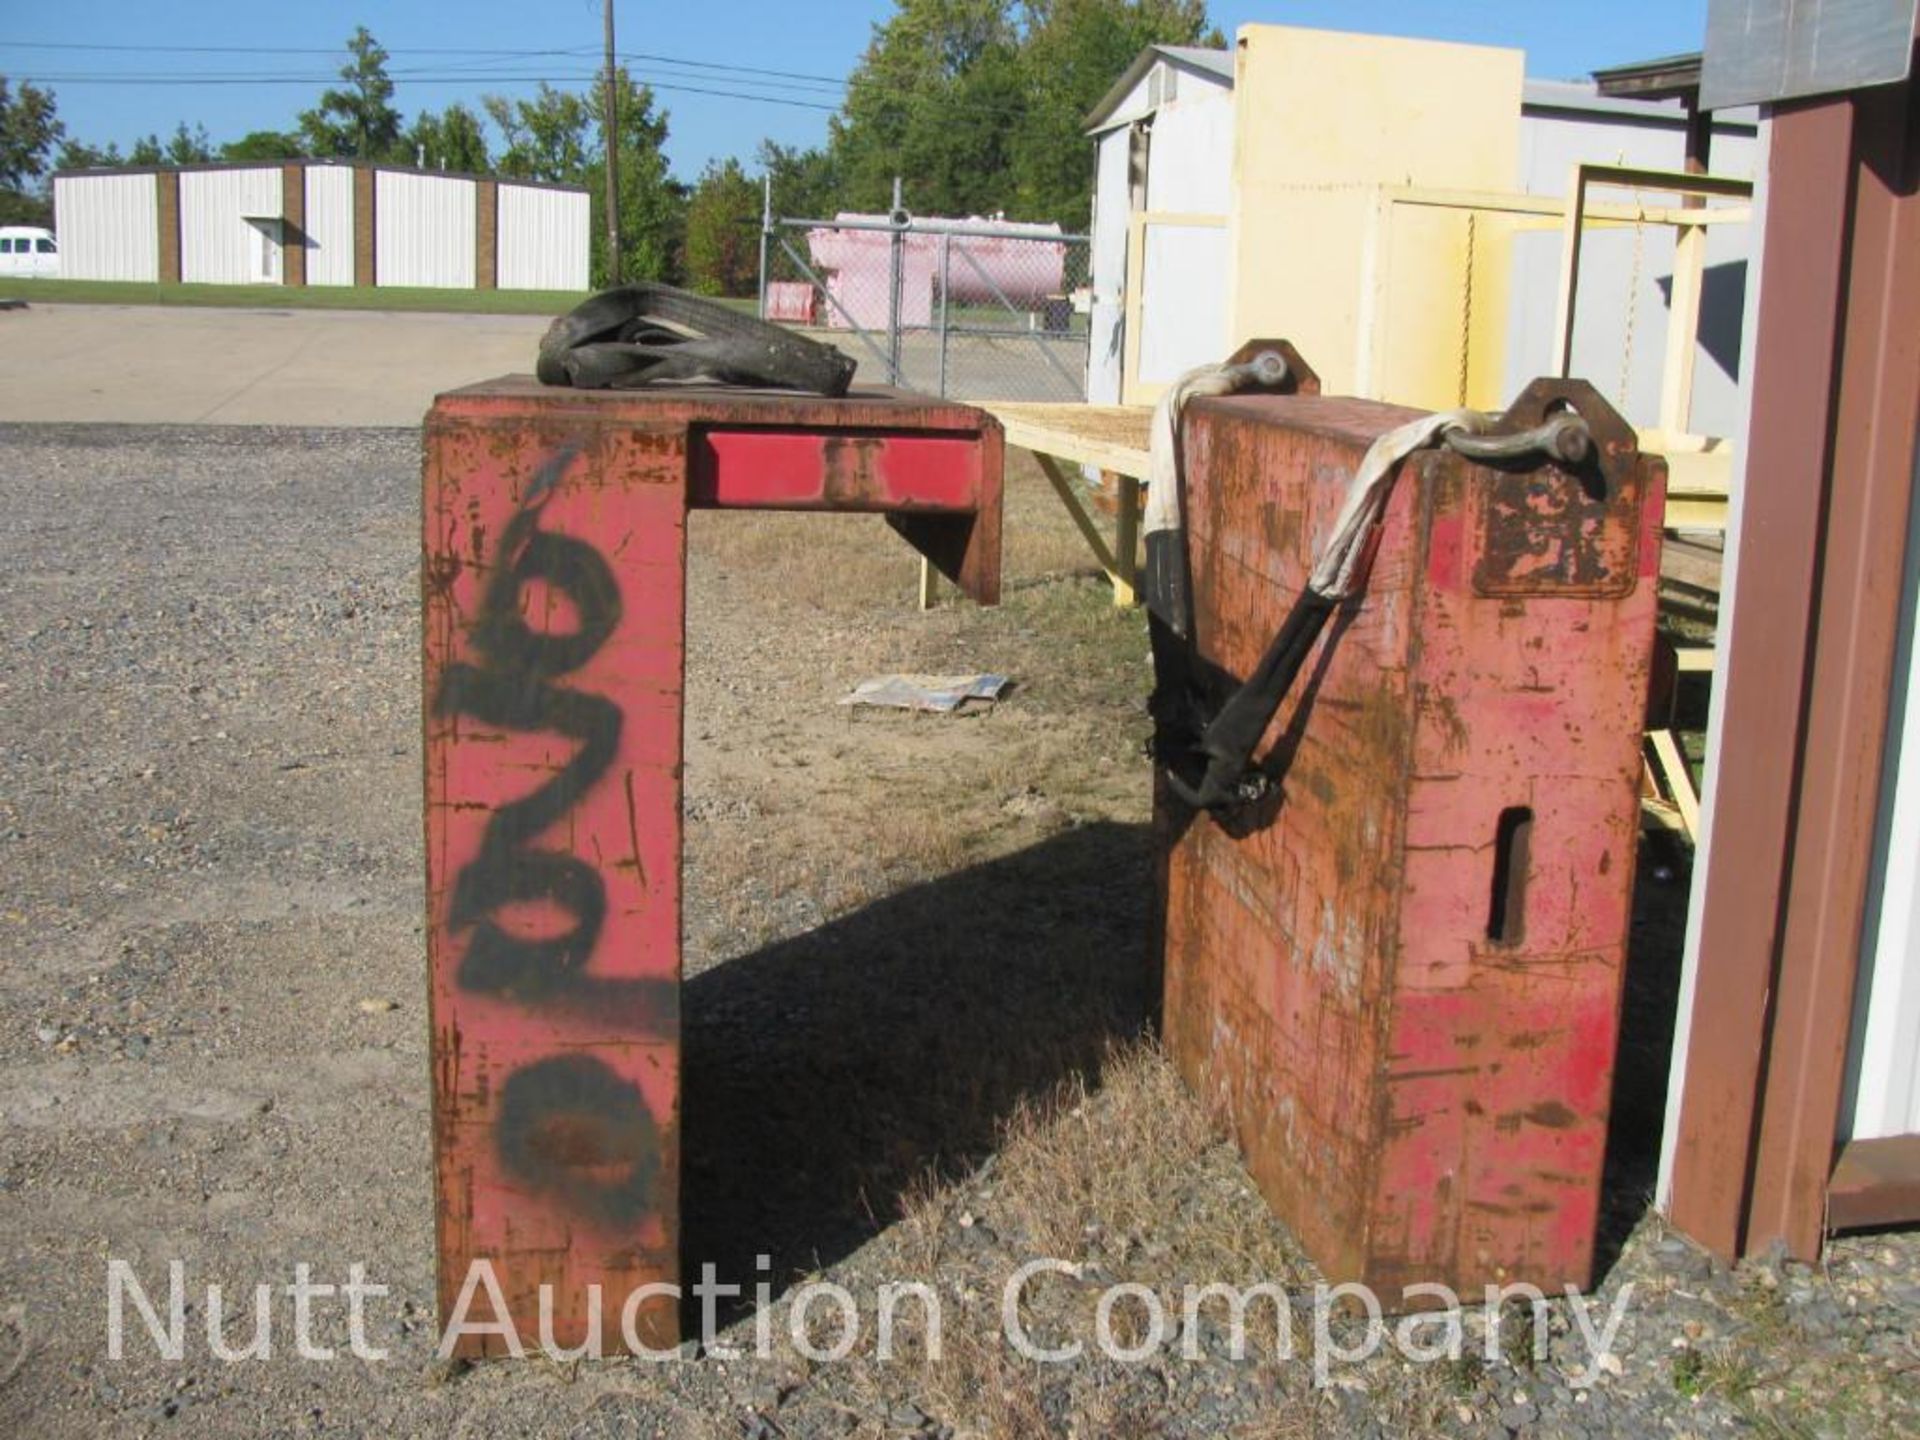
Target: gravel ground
column 213, row 1043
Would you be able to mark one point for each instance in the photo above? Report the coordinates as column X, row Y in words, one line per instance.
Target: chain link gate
column 967, row 310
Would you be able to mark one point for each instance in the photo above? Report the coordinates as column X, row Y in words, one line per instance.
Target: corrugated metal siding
column 542, row 237
column 423, row 230
column 109, row 227
column 219, row 243
column 329, row 224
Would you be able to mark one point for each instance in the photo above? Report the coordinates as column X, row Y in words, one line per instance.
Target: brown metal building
column 1804, row 859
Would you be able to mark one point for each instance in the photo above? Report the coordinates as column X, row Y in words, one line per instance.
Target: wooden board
column 1109, row 437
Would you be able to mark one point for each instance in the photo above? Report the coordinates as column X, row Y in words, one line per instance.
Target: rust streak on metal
column 1334, row 984
column 553, row 576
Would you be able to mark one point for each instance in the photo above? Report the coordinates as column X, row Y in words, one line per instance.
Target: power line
column 257, row 49
column 578, row 52
column 453, row 76
column 230, row 78
column 802, row 82
column 470, row 78
column 714, row 65
column 804, row 87
column 735, row 69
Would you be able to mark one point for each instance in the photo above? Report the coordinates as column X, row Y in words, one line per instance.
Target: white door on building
column 267, row 250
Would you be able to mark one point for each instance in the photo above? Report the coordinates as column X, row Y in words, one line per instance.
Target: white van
column 28, row 250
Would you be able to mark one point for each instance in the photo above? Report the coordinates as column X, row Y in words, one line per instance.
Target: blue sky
column 813, row 45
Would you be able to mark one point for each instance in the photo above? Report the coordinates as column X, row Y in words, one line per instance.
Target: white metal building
column 311, row 222
column 1163, row 145
column 543, row 238
column 232, row 226
column 108, row 228
column 329, row 208
column 425, row 229
column 1163, row 193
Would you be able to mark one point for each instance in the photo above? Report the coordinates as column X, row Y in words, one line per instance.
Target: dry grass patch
column 1040, row 539
column 847, row 564
column 1123, row 1181
column 1088, row 1170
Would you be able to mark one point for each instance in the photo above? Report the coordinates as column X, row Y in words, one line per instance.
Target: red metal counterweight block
column 554, row 571
column 1400, row 983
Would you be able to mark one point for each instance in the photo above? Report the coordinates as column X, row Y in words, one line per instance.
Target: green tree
column 357, row 122
column 264, row 145
column 723, row 232
column 78, row 155
column 189, row 147
column 979, row 103
column 29, row 129
column 450, row 140
column 806, row 183
column 546, row 138
column 653, row 205
column 183, row 147
column 1072, row 52
column 555, row 136
column 933, row 99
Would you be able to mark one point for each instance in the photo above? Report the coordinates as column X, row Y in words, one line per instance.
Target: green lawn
column 292, row 297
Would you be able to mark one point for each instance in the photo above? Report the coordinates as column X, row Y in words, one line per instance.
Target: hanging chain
column 1466, row 311
column 1633, row 310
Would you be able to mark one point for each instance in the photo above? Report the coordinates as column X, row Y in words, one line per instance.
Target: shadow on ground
column 1649, row 1004
column 826, row 1074
column 1650, row 1000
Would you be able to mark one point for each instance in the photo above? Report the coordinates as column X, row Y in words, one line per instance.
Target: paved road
column 1037, row 366
column 191, row 366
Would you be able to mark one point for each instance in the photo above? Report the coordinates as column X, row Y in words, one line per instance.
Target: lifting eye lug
column 1563, row 438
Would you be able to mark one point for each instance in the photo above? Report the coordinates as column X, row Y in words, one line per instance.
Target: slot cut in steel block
column 554, row 575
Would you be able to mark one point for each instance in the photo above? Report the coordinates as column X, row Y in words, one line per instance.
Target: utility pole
column 610, row 141
column 766, row 234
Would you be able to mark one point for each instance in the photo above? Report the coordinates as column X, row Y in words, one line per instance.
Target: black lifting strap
column 1207, row 748
column 1209, row 762
column 1207, row 752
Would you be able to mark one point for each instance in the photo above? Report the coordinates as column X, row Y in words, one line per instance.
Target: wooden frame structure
column 1689, row 262
column 1700, row 466
column 1133, row 390
column 1111, row 439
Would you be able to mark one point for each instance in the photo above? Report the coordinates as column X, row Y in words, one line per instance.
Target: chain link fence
column 967, row 310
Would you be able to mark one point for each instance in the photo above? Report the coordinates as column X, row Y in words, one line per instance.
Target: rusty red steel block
column 554, row 575
column 1400, row 984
